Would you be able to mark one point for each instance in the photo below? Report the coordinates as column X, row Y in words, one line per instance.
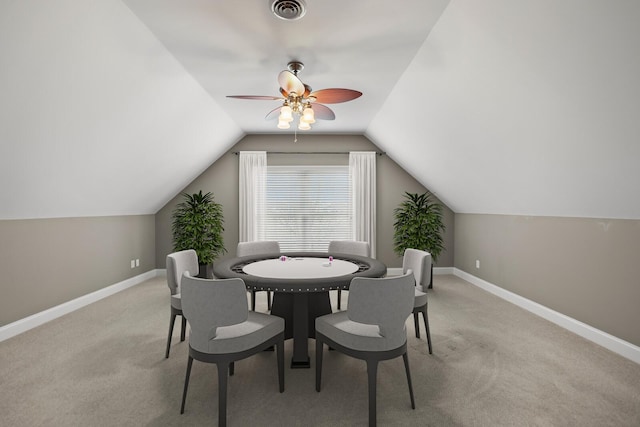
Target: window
column 306, row 207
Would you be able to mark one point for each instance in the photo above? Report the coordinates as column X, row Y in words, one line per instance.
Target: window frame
column 314, row 224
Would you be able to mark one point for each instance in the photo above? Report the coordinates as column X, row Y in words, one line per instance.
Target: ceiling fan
column 298, row 99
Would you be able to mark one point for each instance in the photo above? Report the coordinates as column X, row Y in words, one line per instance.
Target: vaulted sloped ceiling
column 501, row 107
column 96, row 117
column 523, row 107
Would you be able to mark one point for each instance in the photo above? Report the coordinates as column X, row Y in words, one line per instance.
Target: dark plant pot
column 205, row 271
column 431, row 278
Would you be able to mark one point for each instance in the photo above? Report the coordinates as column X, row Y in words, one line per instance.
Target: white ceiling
column 498, row 106
column 238, row 48
column 527, row 107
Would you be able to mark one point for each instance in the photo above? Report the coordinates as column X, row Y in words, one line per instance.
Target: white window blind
column 307, row 206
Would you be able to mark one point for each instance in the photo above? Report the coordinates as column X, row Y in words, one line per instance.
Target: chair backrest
column 420, row 262
column 212, row 303
column 352, row 247
column 257, row 248
column 177, row 264
column 386, row 302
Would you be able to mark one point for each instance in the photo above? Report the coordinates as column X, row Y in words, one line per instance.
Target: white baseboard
column 397, row 271
column 608, row 341
column 23, row 325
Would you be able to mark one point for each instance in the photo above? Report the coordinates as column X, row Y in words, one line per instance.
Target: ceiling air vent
column 289, row 10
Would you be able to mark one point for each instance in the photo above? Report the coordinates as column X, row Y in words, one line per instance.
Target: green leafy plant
column 198, row 224
column 418, row 225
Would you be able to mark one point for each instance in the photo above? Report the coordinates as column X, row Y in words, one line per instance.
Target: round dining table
column 301, row 282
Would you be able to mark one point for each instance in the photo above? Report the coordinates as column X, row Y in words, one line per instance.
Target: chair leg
column 280, row 357
column 223, row 368
column 269, row 300
column 426, row 327
column 186, row 384
column 172, row 322
column 253, row 300
column 184, row 328
column 372, row 373
column 339, row 297
column 415, row 322
column 319, row 349
column 405, row 357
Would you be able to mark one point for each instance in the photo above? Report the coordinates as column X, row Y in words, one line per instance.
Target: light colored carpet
column 493, row 365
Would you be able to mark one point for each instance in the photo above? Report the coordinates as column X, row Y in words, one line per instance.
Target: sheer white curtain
column 362, row 170
column 253, row 172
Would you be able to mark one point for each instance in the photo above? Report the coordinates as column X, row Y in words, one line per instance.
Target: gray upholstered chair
column 177, row 264
column 372, row 328
column 258, row 248
column 351, row 247
column 223, row 330
column 420, row 263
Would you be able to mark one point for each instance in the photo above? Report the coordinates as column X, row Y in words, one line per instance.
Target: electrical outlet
column 133, row 263
column 477, row 263
column 137, row 262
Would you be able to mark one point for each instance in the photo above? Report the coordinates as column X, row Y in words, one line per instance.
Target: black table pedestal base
column 299, row 311
column 300, row 364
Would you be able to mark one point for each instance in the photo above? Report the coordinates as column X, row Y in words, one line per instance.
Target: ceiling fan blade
column 273, row 114
column 335, row 95
column 307, row 91
column 289, row 82
column 256, row 97
column 323, row 112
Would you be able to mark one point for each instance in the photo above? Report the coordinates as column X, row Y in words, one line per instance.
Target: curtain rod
column 379, row 153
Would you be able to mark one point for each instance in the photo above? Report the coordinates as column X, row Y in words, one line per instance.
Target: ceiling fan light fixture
column 299, row 101
column 289, row 10
column 303, row 125
column 283, row 124
column 286, row 114
column 308, row 115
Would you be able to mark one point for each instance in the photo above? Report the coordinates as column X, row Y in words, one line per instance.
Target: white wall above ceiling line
column 525, row 108
column 97, row 118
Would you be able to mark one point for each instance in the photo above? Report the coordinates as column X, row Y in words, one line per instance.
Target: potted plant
column 419, row 225
column 197, row 224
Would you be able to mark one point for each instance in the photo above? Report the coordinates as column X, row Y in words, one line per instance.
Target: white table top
column 300, row 268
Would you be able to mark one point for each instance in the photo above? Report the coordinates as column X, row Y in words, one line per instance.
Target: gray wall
column 587, row 269
column 46, row 262
column 222, row 180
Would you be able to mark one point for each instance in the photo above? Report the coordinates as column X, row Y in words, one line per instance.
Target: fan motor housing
column 289, row 10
